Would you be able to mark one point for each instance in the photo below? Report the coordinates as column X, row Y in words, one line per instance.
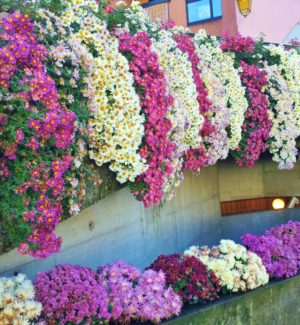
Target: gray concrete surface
column 123, row 229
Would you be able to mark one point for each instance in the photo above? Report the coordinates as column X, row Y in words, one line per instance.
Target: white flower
column 237, row 269
column 16, row 301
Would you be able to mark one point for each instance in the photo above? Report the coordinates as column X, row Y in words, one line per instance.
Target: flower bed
column 119, row 293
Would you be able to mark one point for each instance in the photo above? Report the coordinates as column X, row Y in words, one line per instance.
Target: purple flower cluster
column 71, row 294
column 155, row 101
column 136, row 296
column 279, row 249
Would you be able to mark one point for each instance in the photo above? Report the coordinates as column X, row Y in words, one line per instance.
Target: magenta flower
column 157, row 148
column 71, row 294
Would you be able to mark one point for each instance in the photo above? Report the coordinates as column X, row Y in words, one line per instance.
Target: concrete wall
column 263, row 180
column 274, row 304
column 123, row 229
column 118, row 227
column 235, row 226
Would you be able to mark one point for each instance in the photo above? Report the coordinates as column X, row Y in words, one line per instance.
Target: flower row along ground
column 83, row 84
column 120, row 293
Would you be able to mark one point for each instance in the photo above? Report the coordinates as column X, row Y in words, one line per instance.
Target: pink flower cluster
column 136, row 296
column 197, row 158
column 157, row 149
column 257, row 124
column 40, row 96
column 238, row 44
column 71, row 294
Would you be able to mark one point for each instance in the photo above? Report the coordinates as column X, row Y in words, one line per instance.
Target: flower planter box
column 274, row 304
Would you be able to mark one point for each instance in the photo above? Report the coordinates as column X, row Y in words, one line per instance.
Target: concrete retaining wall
column 118, row 227
column 275, row 304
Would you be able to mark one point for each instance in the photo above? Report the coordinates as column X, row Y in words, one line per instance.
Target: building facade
column 278, row 21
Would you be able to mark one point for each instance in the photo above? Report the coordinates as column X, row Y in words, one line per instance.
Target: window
column 203, row 10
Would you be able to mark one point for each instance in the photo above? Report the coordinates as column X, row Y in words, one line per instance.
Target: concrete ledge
column 274, row 304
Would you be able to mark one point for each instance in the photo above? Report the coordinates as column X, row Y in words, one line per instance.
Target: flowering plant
column 197, row 158
column 257, row 123
column 116, row 127
column 157, row 148
column 71, row 294
column 283, row 134
column 278, row 248
column 222, row 65
column 189, row 277
column 17, row 304
column 136, row 296
column 237, row 269
column 36, row 134
column 184, row 113
column 217, row 143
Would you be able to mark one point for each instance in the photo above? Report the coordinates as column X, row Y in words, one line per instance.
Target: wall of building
column 275, row 19
column 263, row 180
column 118, row 227
column 177, row 12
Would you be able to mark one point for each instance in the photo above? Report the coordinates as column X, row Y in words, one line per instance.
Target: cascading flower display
column 184, row 113
column 217, row 142
column 116, row 128
column 71, row 294
column 82, row 79
column 257, row 123
column 30, row 99
column 283, row 134
column 197, row 158
column 222, row 65
column 17, row 304
column 237, row 269
column 289, row 68
column 137, row 296
column 189, row 277
column 157, row 148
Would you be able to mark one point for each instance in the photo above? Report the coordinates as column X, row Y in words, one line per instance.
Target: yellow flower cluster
column 184, row 114
column 17, row 305
column 116, row 129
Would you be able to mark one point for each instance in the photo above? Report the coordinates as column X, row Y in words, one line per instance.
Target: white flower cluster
column 116, row 129
column 289, row 68
column 210, row 65
column 222, row 65
column 237, row 268
column 17, row 304
column 283, row 134
column 184, row 114
column 139, row 18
